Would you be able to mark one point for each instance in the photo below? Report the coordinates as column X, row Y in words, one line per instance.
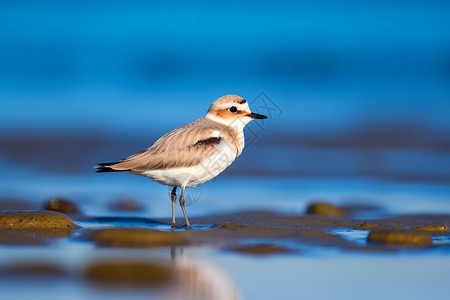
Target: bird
column 193, row 153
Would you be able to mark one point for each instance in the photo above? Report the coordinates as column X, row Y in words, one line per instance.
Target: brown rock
column 368, row 226
column 326, row 209
column 399, row 237
column 34, row 220
column 61, row 205
column 126, row 204
column 261, row 249
column 129, row 272
column 438, row 228
column 137, row 238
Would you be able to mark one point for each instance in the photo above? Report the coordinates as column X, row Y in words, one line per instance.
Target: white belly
column 195, row 175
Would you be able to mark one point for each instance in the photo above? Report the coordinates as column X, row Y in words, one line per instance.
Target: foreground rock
column 35, row 220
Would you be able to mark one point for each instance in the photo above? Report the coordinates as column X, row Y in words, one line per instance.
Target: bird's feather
column 185, row 146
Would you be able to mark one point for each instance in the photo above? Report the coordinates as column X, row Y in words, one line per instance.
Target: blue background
column 360, row 89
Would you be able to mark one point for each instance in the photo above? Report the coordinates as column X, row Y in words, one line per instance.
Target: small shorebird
column 194, row 153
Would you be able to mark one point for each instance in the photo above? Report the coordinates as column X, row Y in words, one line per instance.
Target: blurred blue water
column 116, row 66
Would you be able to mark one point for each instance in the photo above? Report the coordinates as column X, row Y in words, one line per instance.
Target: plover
column 194, row 153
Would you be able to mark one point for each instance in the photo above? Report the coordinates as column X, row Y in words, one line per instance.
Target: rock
column 261, row 249
column 61, row 205
column 399, row 237
column 34, row 220
column 326, row 209
column 368, row 226
column 137, row 238
column 129, row 272
column 438, row 228
column 126, row 204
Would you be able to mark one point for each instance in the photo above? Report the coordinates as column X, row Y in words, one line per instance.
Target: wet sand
column 230, row 232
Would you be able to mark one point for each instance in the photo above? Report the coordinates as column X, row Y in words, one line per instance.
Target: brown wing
column 185, row 146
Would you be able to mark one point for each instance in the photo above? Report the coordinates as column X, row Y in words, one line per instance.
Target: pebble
column 326, row 209
column 438, row 228
column 126, row 204
column 368, row 226
column 399, row 237
column 261, row 249
column 61, row 205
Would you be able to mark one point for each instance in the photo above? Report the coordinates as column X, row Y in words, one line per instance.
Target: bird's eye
column 233, row 109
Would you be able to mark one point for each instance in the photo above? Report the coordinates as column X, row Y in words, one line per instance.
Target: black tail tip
column 104, row 167
column 103, row 170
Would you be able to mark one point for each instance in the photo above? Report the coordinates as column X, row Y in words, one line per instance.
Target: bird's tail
column 106, row 167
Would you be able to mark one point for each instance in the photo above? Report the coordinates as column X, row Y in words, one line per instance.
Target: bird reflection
column 198, row 279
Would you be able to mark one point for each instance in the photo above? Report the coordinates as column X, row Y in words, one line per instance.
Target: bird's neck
column 237, row 125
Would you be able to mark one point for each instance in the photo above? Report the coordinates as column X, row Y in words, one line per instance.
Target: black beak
column 256, row 116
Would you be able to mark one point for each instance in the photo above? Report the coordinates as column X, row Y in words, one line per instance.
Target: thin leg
column 188, row 226
column 174, row 199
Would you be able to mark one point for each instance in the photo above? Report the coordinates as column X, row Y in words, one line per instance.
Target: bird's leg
column 174, row 200
column 188, row 226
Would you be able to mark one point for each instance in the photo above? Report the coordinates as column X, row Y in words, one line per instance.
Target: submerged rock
column 399, row 237
column 137, row 238
column 129, row 272
column 126, row 204
column 61, row 205
column 326, row 209
column 34, row 220
column 261, row 249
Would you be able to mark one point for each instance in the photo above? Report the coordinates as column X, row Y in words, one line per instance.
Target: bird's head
column 232, row 110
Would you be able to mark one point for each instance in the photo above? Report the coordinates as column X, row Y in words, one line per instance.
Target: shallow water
column 306, row 270
column 266, row 258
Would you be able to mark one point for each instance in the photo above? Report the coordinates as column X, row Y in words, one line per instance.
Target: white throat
column 237, row 124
